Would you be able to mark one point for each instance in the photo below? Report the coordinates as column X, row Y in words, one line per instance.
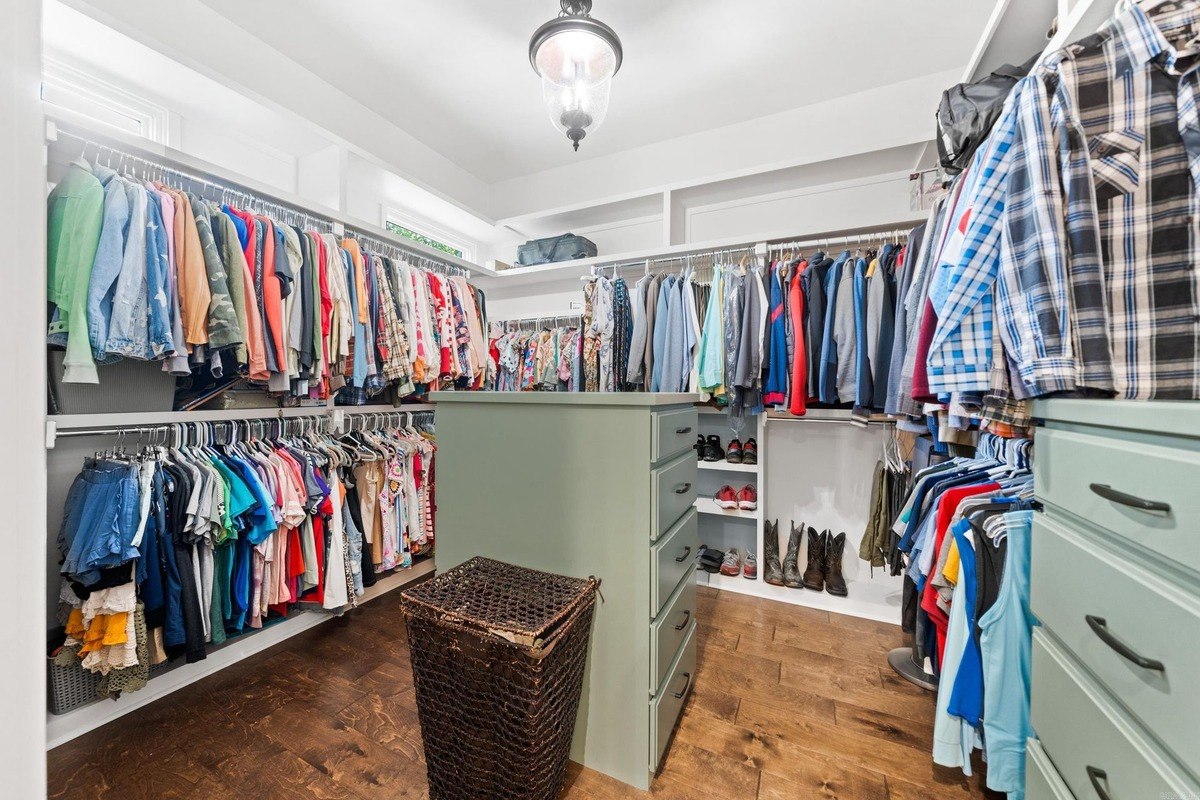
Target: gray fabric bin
column 124, row 386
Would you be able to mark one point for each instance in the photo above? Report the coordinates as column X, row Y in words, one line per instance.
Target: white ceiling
column 455, row 73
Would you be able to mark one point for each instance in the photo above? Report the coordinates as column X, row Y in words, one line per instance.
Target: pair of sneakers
column 745, row 498
column 708, row 449
column 733, row 564
column 739, row 453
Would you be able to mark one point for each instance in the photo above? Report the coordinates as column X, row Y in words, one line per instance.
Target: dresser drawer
column 1042, row 781
column 670, row 628
column 1089, row 739
column 1101, row 479
column 672, row 558
column 672, row 433
column 1084, row 594
column 667, row 704
column 672, row 493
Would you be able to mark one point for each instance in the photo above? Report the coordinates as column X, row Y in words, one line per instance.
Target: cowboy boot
column 834, row 582
column 774, row 569
column 791, row 561
column 814, row 576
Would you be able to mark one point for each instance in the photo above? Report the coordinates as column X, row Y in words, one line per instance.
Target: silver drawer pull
column 686, row 685
column 683, row 489
column 1100, row 627
column 687, row 615
column 682, row 431
column 1126, row 499
column 1095, row 775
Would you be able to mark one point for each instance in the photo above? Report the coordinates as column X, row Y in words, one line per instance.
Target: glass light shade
column 573, row 57
column 578, row 108
column 576, row 57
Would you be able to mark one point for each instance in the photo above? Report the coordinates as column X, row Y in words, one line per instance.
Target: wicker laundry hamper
column 498, row 656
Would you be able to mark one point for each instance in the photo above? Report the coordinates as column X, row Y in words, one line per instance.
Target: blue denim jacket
column 127, row 324
column 110, row 253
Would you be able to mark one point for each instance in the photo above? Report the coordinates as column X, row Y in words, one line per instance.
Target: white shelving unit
column 724, row 528
column 845, row 451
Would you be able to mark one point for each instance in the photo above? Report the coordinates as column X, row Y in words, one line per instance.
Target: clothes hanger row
column 141, row 168
column 879, row 238
column 741, row 255
column 536, row 323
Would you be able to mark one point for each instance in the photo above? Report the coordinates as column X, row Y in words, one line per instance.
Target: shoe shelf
column 725, row 466
column 706, row 505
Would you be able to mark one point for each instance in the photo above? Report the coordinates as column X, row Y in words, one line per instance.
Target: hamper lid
column 522, row 605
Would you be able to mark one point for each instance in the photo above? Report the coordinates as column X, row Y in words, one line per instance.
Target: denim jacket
column 107, row 265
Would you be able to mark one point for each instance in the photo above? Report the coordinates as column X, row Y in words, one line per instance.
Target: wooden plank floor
column 788, row 703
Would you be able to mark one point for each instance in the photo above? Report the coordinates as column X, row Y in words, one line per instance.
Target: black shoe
column 699, row 447
column 712, row 448
column 710, row 559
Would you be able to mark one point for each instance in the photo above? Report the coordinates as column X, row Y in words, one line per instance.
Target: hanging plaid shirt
column 1098, row 285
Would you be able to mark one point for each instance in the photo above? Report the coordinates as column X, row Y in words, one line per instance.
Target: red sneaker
column 732, row 565
column 726, row 497
column 747, row 498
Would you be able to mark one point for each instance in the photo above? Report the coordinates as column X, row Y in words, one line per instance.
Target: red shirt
column 947, row 505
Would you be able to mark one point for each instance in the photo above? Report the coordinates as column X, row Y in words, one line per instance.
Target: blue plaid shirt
column 1083, row 224
column 960, row 355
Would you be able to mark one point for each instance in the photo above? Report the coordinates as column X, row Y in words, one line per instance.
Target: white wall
column 23, row 358
column 820, row 474
column 882, row 199
column 889, row 116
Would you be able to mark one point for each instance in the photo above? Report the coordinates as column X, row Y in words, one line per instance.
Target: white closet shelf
column 61, row 728
column 706, row 505
column 725, row 466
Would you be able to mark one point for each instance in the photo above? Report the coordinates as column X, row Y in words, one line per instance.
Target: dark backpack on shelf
column 567, row 247
column 968, row 111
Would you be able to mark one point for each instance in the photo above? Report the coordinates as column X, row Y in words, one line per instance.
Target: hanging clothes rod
column 868, row 237
column 235, row 194
column 227, row 193
column 730, row 252
column 398, row 250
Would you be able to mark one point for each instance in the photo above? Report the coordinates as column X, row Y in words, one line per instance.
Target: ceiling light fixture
column 576, row 57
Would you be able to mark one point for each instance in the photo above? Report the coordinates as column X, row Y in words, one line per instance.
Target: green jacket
column 74, row 217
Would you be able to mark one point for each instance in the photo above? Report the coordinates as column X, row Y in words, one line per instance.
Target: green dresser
column 589, row 484
column 1116, row 587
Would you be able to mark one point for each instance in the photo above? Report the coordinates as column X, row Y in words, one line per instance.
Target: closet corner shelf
column 725, row 466
column 706, row 505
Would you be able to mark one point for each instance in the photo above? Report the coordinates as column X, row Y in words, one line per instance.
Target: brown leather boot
column 791, row 561
column 814, row 576
column 834, row 582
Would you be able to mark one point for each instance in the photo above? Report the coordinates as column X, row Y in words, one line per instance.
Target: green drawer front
column 1074, row 577
column 1042, row 781
column 672, row 433
column 1069, row 463
column 672, row 493
column 1080, row 728
column 670, row 628
column 673, row 557
column 666, row 706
